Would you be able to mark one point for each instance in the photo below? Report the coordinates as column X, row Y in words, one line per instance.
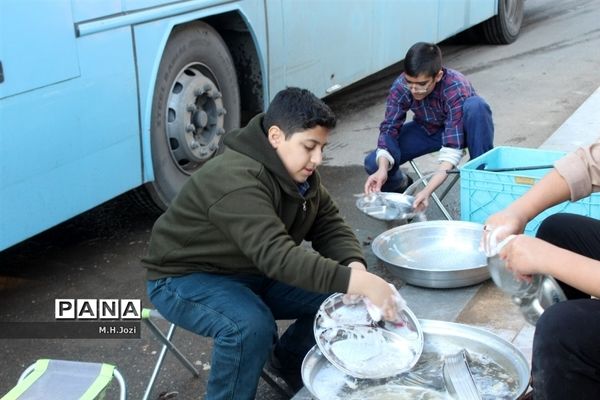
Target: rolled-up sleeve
column 581, row 171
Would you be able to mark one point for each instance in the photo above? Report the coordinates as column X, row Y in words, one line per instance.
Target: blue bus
column 100, row 97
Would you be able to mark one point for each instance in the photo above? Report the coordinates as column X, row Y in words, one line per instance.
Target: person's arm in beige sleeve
column 574, row 176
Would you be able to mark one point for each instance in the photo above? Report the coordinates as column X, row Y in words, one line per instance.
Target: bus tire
column 504, row 28
column 196, row 100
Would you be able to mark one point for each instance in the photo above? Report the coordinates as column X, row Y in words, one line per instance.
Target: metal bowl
column 499, row 369
column 434, row 254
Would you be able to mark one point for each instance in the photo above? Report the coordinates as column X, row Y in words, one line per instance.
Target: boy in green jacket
column 226, row 260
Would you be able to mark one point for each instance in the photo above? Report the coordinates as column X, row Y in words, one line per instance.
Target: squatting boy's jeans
column 414, row 141
column 239, row 312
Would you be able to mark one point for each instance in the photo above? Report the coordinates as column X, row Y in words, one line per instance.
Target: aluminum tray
column 399, row 344
column 434, row 254
column 387, row 206
column 500, row 370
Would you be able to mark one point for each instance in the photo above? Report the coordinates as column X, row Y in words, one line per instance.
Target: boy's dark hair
column 423, row 58
column 294, row 110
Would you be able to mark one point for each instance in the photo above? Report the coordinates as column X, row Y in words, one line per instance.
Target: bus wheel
column 196, row 100
column 505, row 26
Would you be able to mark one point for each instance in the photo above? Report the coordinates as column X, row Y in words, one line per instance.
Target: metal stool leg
column 167, row 345
column 271, row 382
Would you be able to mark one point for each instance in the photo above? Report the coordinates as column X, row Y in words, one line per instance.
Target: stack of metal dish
column 499, row 370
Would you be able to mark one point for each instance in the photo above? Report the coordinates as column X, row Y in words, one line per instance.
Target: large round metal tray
column 434, row 254
column 500, row 370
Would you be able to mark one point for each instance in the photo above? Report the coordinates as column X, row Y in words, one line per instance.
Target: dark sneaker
column 291, row 376
column 406, row 182
column 392, row 184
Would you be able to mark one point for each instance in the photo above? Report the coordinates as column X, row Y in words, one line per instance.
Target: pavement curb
column 580, row 129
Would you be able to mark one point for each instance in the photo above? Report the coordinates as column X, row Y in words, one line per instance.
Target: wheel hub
column 513, row 9
column 195, row 118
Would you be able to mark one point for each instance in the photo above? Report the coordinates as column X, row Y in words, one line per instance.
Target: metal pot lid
column 362, row 348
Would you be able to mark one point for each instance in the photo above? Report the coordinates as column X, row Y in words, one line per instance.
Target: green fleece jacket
column 242, row 213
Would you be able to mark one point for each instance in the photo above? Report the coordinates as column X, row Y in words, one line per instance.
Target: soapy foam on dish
column 493, row 381
column 349, row 315
column 398, row 393
column 335, row 385
column 373, row 355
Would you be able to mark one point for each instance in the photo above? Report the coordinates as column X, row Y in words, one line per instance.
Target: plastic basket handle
column 527, row 168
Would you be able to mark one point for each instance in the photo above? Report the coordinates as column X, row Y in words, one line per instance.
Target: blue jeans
column 239, row 313
column 414, row 141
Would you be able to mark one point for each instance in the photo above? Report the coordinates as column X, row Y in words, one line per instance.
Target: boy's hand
column 421, row 201
column 376, row 181
column 376, row 313
column 382, row 296
column 351, row 298
column 377, row 290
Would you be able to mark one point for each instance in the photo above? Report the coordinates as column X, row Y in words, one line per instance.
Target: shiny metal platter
column 363, row 348
column 386, row 206
column 499, row 369
column 434, row 254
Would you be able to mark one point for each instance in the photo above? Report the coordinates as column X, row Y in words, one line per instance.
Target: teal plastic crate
column 483, row 193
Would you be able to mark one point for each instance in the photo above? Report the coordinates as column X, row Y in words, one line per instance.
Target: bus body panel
column 480, row 11
column 45, row 52
column 70, row 146
column 329, row 53
column 84, row 10
column 344, row 45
